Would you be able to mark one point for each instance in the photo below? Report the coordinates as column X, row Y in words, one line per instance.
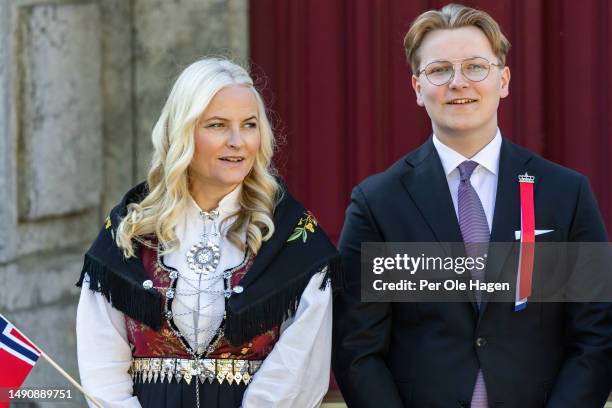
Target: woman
column 208, row 285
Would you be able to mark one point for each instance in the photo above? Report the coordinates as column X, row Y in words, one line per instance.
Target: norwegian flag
column 17, row 357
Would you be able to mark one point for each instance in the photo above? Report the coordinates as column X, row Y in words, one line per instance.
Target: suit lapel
column 428, row 187
column 506, row 216
column 426, row 183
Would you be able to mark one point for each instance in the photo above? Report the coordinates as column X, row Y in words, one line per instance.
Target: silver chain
column 218, row 332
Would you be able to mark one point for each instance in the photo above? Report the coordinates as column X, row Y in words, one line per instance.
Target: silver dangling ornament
column 204, row 256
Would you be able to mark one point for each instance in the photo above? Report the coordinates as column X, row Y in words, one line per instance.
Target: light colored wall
column 81, row 84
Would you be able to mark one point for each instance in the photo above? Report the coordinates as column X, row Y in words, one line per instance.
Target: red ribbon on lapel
column 527, row 248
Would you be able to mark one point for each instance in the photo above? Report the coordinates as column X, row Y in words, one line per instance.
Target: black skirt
column 182, row 395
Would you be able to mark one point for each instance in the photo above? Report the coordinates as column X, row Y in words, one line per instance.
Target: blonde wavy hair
column 168, row 180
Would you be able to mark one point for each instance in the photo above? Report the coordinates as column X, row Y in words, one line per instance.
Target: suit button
column 481, row 342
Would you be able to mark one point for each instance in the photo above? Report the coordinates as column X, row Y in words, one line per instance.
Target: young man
column 462, row 185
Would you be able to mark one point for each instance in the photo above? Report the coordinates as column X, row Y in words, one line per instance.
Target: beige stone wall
column 81, row 85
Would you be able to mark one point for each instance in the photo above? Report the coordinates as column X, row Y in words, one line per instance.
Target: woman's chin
column 230, row 180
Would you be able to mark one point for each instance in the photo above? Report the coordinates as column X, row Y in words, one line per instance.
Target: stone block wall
column 81, row 85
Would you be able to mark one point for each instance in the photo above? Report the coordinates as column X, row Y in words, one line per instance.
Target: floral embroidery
column 107, row 223
column 305, row 226
column 145, row 341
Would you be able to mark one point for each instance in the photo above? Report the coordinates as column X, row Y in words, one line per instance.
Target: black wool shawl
column 297, row 250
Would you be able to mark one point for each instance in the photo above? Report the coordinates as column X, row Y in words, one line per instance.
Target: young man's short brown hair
column 449, row 17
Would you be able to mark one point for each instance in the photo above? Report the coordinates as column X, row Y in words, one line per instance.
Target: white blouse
column 295, row 373
column 211, row 306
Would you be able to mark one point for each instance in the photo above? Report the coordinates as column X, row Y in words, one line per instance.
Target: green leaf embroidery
column 305, row 225
column 295, row 235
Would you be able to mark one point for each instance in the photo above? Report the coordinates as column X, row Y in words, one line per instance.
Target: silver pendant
column 203, row 257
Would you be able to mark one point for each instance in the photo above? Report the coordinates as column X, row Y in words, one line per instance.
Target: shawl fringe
column 272, row 311
column 333, row 276
column 123, row 294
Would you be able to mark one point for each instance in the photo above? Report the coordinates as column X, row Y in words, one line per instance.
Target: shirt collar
column 228, row 204
column 487, row 157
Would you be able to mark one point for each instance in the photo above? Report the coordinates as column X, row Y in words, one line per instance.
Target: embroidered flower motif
column 107, row 223
column 306, row 225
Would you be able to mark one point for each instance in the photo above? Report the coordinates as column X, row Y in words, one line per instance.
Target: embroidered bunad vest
column 162, row 353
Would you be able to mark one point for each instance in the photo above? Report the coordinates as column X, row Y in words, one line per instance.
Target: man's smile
column 461, row 101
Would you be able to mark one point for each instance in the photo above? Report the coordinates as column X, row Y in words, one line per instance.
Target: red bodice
column 146, row 342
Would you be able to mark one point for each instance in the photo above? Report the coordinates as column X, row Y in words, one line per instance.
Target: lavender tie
column 476, row 235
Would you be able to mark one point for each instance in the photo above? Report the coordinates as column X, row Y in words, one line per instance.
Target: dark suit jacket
column 389, row 355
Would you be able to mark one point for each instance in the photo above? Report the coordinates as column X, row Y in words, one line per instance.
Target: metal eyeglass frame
column 455, row 62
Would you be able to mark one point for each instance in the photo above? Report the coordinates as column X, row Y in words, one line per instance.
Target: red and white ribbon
column 527, row 249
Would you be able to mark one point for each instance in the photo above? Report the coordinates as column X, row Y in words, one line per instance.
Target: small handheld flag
column 17, row 357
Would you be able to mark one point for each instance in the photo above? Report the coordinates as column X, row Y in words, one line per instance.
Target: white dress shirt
column 485, row 175
column 295, row 373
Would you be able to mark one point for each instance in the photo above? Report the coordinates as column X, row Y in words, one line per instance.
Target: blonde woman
column 208, row 285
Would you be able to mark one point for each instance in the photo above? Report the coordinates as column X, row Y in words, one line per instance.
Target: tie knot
column 466, row 169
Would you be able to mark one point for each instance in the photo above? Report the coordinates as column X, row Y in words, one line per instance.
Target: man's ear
column 505, row 82
column 416, row 85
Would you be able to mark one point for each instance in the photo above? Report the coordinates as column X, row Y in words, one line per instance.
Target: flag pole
column 69, row 378
column 61, row 370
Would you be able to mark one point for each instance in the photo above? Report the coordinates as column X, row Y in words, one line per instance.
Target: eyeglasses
column 442, row 72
